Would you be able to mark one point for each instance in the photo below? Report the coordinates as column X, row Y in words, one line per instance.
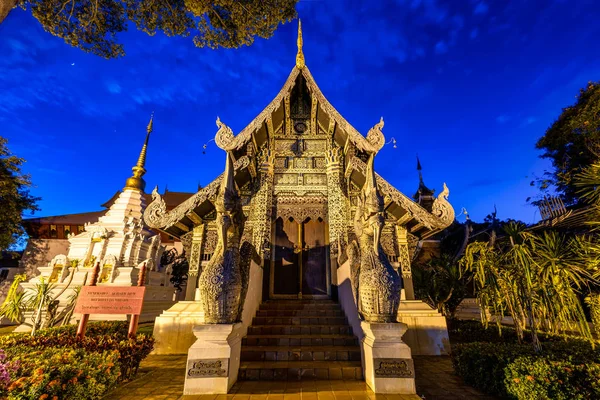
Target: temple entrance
column 299, row 266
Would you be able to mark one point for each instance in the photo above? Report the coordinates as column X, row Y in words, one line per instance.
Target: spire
column 135, row 182
column 423, row 191
column 300, row 55
column 419, row 168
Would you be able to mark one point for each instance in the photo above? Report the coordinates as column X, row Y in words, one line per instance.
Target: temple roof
column 422, row 222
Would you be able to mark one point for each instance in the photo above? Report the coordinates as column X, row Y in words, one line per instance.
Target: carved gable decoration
column 301, row 208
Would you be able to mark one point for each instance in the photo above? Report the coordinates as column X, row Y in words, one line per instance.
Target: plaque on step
column 207, row 368
column 394, row 368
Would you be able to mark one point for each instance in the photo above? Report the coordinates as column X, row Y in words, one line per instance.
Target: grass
column 146, row 328
column 5, row 330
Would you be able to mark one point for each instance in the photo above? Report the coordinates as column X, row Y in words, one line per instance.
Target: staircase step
column 300, row 313
column 300, row 330
column 300, row 340
column 299, row 306
column 299, row 321
column 307, row 353
column 300, row 370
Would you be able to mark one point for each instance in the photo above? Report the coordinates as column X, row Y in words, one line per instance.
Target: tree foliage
column 93, row 25
column 438, row 281
column 572, row 142
column 15, row 198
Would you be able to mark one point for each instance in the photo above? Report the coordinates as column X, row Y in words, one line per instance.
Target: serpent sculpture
column 224, row 280
column 375, row 284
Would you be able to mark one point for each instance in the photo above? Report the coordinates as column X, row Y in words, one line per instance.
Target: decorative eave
column 225, row 137
column 419, row 221
column 182, row 218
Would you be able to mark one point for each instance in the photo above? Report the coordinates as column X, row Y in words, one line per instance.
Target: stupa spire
column 300, row 63
column 135, row 182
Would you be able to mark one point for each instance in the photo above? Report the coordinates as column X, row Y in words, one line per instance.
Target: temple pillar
column 195, row 260
column 336, row 203
column 263, row 207
column 404, row 261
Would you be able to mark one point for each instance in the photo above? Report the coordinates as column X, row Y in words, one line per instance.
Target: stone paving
column 162, row 377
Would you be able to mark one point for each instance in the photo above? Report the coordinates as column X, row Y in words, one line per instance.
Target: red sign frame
column 110, row 300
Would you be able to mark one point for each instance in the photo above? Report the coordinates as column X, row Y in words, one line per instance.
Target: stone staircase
column 300, row 340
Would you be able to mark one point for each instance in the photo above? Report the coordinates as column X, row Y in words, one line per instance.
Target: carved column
column 336, row 201
column 404, row 261
column 194, row 261
column 263, row 206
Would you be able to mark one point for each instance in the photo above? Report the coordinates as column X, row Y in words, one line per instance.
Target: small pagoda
column 120, row 243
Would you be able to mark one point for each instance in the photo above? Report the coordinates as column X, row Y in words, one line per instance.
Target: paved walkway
column 161, row 377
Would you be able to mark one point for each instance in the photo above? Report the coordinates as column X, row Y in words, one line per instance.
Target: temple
column 300, row 223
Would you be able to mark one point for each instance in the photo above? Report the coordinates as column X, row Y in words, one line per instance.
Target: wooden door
column 299, row 264
column 314, row 259
column 284, row 279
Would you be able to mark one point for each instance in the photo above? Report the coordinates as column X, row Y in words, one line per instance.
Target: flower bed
column 498, row 365
column 54, row 364
column 61, row 373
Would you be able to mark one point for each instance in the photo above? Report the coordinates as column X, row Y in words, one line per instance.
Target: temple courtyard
column 162, row 377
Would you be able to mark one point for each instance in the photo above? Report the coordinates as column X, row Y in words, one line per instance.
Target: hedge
column 54, row 364
column 563, row 370
column 473, row 331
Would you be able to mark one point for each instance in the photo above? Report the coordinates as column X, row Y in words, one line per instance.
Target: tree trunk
column 5, row 8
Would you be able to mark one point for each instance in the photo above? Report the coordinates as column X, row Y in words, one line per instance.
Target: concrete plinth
column 214, row 359
column 388, row 362
column 427, row 333
column 173, row 329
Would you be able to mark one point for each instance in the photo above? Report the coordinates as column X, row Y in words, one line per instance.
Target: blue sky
column 468, row 85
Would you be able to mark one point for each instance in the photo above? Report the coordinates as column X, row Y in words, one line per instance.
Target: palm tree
column 537, row 278
column 12, row 307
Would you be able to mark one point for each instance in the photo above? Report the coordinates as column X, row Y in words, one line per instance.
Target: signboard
column 207, row 368
column 394, row 368
column 110, row 300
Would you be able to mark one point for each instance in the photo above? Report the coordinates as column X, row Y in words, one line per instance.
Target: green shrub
column 563, row 370
column 541, row 379
column 103, row 336
column 61, row 373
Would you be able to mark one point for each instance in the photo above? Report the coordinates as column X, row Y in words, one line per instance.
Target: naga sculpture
column 375, row 283
column 223, row 284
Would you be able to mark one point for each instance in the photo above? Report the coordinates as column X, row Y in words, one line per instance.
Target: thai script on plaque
column 207, row 368
column 394, row 368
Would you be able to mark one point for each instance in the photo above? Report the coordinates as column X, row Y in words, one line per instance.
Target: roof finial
column 419, row 168
column 300, row 63
column 136, row 182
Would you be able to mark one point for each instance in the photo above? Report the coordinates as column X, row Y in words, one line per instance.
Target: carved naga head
column 227, row 205
column 372, row 207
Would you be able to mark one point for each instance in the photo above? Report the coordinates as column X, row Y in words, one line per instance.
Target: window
column 67, row 230
column 80, row 228
column 3, row 275
column 53, row 232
